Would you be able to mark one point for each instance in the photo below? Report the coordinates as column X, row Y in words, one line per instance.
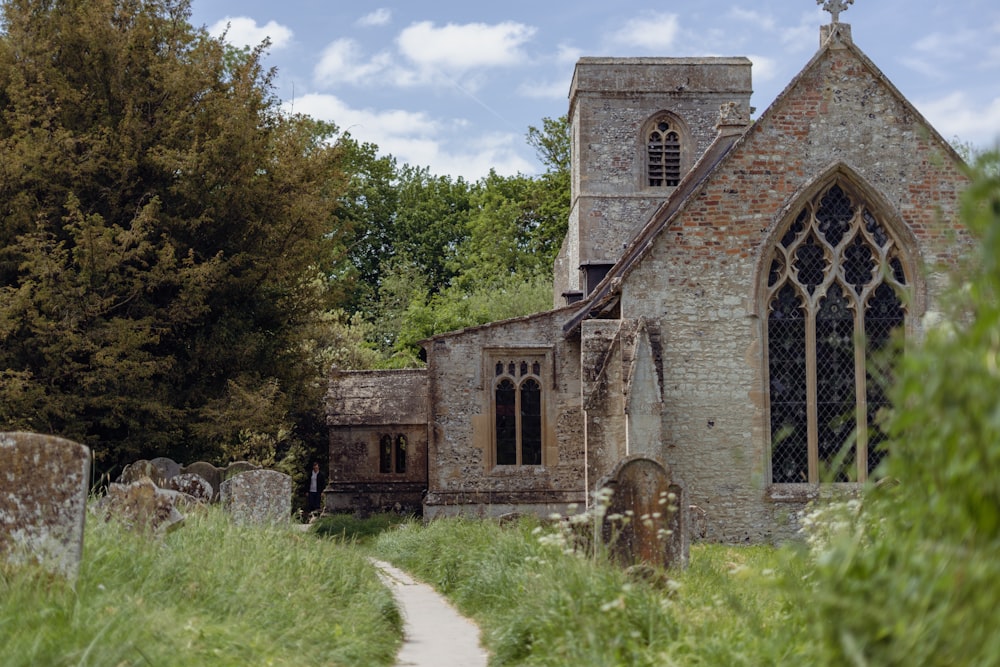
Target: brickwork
column 702, row 278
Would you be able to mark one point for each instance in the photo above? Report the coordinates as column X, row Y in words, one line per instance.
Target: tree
column 166, row 234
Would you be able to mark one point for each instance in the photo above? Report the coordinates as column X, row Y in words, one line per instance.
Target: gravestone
column 193, row 485
column 645, row 522
column 258, row 497
column 133, row 472
column 43, row 500
column 164, row 469
column 208, row 472
column 141, row 506
column 237, row 467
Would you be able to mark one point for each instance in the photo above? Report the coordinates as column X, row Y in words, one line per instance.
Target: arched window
column 834, row 290
column 663, row 153
column 517, row 412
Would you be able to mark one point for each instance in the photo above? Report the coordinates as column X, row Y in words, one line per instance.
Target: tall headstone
column 43, row 500
column 258, row 497
column 645, row 522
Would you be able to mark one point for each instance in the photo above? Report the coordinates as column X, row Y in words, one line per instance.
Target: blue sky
column 454, row 84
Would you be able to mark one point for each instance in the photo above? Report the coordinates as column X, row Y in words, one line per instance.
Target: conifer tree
column 166, row 234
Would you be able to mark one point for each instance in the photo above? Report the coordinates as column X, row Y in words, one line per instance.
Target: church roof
column 603, row 298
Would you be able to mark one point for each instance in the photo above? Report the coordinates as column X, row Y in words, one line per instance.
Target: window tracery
column 663, row 153
column 834, row 290
column 517, row 411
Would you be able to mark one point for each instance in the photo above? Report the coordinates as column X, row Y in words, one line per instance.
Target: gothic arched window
column 834, row 290
column 663, row 153
column 517, row 412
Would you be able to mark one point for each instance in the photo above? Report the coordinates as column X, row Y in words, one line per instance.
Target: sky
column 454, row 85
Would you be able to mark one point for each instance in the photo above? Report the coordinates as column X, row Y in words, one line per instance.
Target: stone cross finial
column 835, row 7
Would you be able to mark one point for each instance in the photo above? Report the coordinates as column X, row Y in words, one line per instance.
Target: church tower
column 637, row 125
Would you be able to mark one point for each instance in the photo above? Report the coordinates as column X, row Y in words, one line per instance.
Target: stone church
column 721, row 299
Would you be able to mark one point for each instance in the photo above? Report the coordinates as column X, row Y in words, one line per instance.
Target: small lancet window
column 400, row 453
column 663, row 155
column 385, row 454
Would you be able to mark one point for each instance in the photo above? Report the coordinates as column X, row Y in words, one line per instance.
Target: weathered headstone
column 237, row 467
column 141, row 506
column 133, row 472
column 645, row 523
column 43, row 500
column 164, row 469
column 193, row 485
column 208, row 472
column 258, row 497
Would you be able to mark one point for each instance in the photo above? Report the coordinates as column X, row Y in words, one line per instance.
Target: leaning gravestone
column 258, row 497
column 133, row 472
column 644, row 523
column 193, row 485
column 141, row 506
column 43, row 500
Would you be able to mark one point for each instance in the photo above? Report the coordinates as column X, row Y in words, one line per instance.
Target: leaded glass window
column 517, row 412
column 834, row 289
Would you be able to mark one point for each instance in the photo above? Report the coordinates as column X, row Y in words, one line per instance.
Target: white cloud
column 956, row 115
column 764, row 68
column 417, row 139
column 552, row 90
column 244, row 31
column 342, row 62
column 765, row 21
column 568, row 55
column 459, row 48
column 651, row 31
column 380, row 16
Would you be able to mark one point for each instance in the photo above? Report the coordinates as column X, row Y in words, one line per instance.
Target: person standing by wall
column 317, row 482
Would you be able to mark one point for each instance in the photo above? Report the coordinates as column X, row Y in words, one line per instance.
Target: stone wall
column 702, row 279
column 461, row 386
column 611, row 99
column 363, row 407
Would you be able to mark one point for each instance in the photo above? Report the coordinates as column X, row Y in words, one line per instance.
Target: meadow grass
column 208, row 593
column 539, row 605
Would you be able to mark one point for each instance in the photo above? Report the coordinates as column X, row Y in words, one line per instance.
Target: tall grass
column 209, row 593
column 539, row 605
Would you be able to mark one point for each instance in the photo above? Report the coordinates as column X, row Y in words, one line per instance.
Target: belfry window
column 517, row 411
column 663, row 155
column 833, row 299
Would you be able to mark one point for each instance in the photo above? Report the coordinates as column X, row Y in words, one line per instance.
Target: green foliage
column 209, row 593
column 911, row 571
column 165, row 232
column 455, row 308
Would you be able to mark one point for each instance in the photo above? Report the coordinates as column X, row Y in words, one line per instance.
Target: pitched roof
column 604, row 296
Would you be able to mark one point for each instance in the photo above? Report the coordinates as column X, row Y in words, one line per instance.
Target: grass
column 538, row 605
column 209, row 593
